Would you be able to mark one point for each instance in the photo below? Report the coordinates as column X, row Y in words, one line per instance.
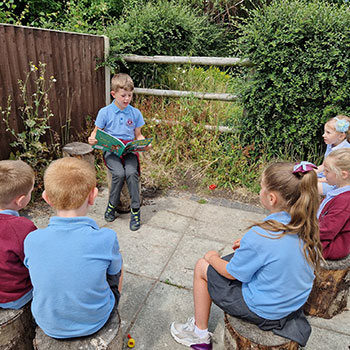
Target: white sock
column 200, row 332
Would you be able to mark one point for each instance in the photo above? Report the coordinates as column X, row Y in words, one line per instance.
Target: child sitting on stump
column 16, row 185
column 270, row 276
column 123, row 121
column 75, row 267
column 334, row 211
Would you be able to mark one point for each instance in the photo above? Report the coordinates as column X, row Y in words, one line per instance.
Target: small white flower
column 54, row 80
column 174, row 78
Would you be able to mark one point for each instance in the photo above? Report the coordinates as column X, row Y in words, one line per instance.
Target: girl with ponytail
column 268, row 278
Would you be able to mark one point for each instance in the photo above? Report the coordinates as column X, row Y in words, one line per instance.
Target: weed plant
column 184, row 150
column 29, row 143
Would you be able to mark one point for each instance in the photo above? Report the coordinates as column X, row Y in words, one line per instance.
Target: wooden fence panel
column 80, row 88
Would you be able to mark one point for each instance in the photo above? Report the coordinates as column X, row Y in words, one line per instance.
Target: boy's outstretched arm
column 213, row 259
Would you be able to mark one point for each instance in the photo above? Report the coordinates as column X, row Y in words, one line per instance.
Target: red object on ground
column 212, row 187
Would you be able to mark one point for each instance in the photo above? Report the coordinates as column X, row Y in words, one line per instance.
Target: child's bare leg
column 120, row 285
column 202, row 300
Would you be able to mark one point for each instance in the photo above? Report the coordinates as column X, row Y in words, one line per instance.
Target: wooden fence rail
column 207, row 61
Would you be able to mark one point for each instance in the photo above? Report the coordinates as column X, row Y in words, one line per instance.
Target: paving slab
column 180, row 268
column 222, row 224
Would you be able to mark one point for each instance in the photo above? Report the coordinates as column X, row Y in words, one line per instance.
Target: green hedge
column 163, row 28
column 301, row 51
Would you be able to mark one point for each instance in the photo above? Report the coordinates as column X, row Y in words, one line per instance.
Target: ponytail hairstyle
column 341, row 123
column 297, row 190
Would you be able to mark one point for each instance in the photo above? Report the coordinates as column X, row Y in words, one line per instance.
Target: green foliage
column 75, row 15
column 185, row 150
column 301, row 52
column 35, row 113
column 162, row 28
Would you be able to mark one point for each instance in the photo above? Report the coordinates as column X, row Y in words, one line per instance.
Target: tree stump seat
column 79, row 150
column 242, row 335
column 17, row 329
column 330, row 290
column 109, row 337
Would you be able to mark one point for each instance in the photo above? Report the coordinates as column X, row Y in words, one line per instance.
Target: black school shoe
column 110, row 213
column 135, row 221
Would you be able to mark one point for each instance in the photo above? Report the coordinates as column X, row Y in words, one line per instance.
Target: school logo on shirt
column 129, row 122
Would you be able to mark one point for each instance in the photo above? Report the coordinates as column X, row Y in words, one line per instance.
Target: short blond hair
column 122, row 81
column 68, row 182
column 332, row 122
column 16, row 179
column 340, row 160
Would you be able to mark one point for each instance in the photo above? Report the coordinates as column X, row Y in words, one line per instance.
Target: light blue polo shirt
column 119, row 123
column 276, row 278
column 68, row 262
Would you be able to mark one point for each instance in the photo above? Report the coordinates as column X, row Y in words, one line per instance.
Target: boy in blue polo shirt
column 123, row 121
column 75, row 267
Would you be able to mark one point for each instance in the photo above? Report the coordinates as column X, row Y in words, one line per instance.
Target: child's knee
column 201, row 267
column 131, row 173
column 118, row 175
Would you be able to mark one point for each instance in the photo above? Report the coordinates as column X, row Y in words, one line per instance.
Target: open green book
column 107, row 142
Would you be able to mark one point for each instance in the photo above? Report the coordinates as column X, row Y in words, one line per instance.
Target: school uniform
column 68, row 263
column 121, row 124
column 273, row 282
column 334, row 222
column 15, row 285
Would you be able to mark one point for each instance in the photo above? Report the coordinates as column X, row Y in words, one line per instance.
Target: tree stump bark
column 330, row 290
column 109, row 337
column 17, row 329
column 124, row 205
column 79, row 150
column 241, row 335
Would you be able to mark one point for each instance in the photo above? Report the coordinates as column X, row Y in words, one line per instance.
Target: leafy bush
column 162, row 28
column 301, row 52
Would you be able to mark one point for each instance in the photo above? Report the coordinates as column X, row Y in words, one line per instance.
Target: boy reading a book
column 75, row 266
column 124, row 122
column 16, row 185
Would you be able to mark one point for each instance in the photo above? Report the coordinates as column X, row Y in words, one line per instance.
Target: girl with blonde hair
column 334, row 211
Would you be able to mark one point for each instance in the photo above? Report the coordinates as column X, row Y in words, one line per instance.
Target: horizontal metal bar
column 176, row 93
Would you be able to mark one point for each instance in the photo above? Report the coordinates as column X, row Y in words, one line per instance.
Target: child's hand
column 236, row 244
column 92, row 141
column 210, row 254
column 148, row 147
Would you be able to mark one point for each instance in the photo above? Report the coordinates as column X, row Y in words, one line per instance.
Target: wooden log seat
column 17, row 329
column 79, row 150
column 109, row 337
column 330, row 290
column 242, row 335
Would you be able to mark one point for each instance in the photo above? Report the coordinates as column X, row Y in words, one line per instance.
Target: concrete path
column 176, row 230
